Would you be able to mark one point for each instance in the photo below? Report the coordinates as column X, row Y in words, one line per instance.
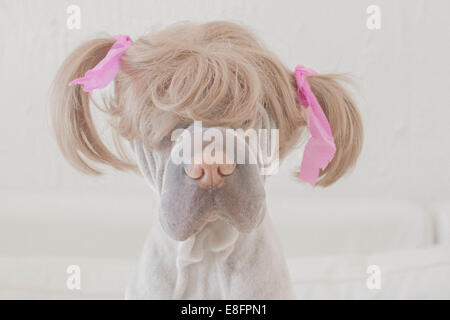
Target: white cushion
column 412, row 274
column 442, row 222
column 45, row 277
column 337, row 226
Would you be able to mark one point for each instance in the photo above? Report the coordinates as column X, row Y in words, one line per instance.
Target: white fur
column 216, row 263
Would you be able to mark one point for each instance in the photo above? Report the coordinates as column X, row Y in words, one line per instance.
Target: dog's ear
column 345, row 122
column 71, row 116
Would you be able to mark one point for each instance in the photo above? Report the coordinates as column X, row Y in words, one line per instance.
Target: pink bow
column 320, row 148
column 106, row 70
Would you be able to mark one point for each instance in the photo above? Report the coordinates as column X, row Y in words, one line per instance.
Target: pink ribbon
column 106, row 70
column 320, row 148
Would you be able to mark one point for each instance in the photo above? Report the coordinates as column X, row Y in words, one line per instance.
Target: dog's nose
column 209, row 173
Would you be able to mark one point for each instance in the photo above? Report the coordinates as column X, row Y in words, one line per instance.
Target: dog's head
column 217, row 73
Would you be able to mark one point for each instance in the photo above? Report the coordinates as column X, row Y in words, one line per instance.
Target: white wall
column 402, row 71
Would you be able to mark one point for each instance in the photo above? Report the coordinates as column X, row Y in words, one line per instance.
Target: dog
column 214, row 238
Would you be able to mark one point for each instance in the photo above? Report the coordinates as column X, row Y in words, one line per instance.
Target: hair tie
column 320, row 148
column 106, row 70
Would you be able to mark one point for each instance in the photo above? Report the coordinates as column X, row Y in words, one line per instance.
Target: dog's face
column 195, row 192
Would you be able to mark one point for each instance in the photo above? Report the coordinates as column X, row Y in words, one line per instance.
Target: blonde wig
column 217, row 72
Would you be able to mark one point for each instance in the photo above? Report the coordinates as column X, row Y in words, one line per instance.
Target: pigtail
column 345, row 122
column 71, row 116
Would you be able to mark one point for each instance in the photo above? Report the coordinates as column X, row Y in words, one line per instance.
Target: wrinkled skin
column 186, row 207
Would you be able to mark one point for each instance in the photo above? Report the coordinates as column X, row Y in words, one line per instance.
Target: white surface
column 45, row 277
column 401, row 71
column 418, row 274
column 328, row 242
column 442, row 217
column 407, row 274
column 323, row 226
column 116, row 227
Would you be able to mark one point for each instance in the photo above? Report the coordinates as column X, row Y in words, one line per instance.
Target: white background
column 393, row 210
column 401, row 71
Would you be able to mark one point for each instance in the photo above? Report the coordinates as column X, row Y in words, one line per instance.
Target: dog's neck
column 218, row 262
column 205, row 256
column 216, row 237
